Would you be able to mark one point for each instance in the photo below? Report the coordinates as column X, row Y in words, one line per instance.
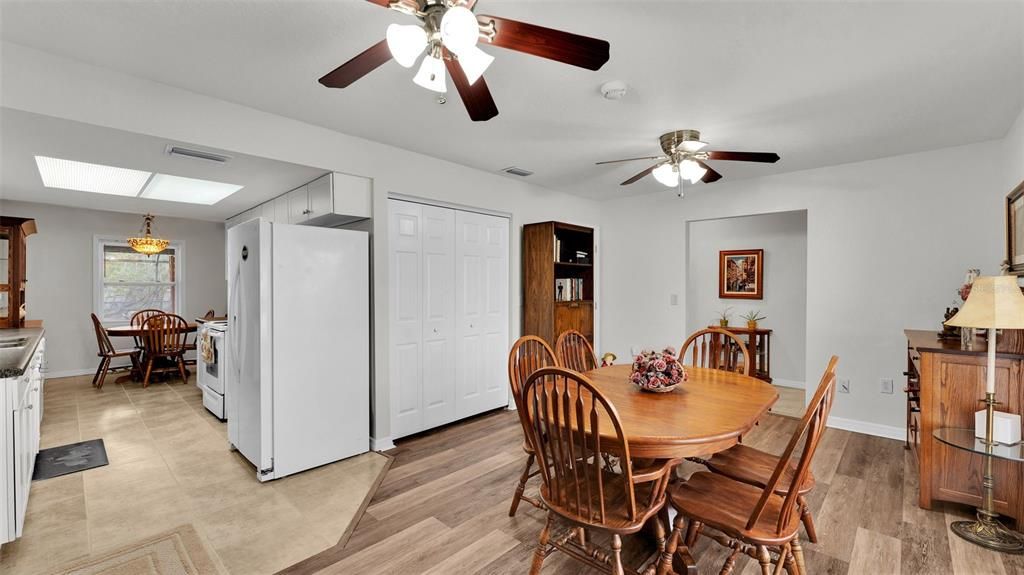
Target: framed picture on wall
column 1015, row 231
column 741, row 274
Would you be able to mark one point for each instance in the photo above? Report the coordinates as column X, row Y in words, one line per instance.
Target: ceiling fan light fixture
column 431, row 74
column 692, row 145
column 406, row 43
column 474, row 62
column 691, row 170
column 667, row 174
column 459, row 29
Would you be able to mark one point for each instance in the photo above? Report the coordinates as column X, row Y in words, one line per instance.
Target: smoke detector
column 614, row 90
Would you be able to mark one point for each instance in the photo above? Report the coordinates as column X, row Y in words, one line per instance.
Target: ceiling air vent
column 197, row 154
column 518, row 172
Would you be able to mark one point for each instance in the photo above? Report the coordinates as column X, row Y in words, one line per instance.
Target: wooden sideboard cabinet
column 951, row 380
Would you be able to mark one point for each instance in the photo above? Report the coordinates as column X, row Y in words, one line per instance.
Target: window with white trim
column 128, row 281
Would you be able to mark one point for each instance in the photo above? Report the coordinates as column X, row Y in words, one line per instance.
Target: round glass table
column 965, row 439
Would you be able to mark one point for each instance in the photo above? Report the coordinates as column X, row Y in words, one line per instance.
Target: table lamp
column 995, row 302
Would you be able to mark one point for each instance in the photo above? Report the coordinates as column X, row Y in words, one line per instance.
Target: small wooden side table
column 759, row 344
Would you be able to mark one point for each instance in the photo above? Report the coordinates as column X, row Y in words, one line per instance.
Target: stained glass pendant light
column 147, row 244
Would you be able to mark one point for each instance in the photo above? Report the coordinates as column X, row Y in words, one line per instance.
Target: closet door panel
column 406, row 291
column 438, row 316
column 481, row 283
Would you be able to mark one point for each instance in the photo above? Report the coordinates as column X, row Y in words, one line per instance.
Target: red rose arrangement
column 657, row 371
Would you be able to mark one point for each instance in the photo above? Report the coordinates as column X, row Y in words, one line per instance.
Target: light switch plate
column 843, row 386
column 673, row 299
column 886, row 386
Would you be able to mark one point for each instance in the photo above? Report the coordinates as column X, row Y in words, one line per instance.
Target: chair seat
column 119, row 353
column 726, row 505
column 616, row 515
column 755, row 467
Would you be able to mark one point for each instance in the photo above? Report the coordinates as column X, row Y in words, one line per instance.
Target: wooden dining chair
column 717, row 349
column 139, row 320
column 753, row 466
column 192, row 344
column 574, row 352
column 572, row 427
column 108, row 352
column 529, row 353
column 751, row 519
column 164, row 339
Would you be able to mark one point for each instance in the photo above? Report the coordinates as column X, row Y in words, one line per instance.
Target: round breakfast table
column 706, row 414
column 136, row 331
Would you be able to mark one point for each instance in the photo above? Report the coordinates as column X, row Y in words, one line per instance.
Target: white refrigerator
column 299, row 352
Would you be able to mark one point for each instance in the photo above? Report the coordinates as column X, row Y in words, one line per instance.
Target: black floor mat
column 72, row 458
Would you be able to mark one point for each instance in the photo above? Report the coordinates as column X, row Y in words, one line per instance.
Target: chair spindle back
column 165, row 334
column 716, row 348
column 810, row 429
column 565, row 414
column 102, row 340
column 575, row 352
column 529, row 353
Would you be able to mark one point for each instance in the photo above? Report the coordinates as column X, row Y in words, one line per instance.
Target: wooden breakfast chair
column 529, row 353
column 716, row 348
column 164, row 339
column 107, row 352
column 572, row 427
column 575, row 352
column 139, row 320
column 754, row 467
column 752, row 519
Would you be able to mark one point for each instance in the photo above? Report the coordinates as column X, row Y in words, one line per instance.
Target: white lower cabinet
column 449, row 315
column 21, row 416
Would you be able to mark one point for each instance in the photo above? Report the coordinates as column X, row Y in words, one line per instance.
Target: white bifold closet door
column 449, row 315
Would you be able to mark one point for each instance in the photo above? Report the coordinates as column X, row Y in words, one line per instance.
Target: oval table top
column 137, row 330
column 704, row 415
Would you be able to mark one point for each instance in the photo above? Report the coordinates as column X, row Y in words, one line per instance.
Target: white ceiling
column 26, row 135
column 821, row 83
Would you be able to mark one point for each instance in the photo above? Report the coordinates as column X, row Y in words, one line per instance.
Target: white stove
column 211, row 363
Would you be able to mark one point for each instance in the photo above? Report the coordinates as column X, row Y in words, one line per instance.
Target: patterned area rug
column 178, row 552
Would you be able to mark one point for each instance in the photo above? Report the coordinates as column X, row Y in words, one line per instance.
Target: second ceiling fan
column 449, row 32
column 684, row 159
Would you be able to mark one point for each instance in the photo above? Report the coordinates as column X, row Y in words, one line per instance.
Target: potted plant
column 753, row 316
column 723, row 317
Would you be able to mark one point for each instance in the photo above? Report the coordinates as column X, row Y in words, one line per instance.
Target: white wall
column 38, row 82
column 783, row 237
column 60, row 273
column 1014, row 154
column 888, row 241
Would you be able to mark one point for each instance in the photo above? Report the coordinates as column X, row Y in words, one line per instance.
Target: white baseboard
column 788, row 383
column 866, row 427
column 69, row 373
column 381, row 444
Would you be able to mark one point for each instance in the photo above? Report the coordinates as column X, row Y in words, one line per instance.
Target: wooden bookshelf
column 558, row 260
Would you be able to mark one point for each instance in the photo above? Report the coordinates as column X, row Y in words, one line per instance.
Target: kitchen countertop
column 13, row 361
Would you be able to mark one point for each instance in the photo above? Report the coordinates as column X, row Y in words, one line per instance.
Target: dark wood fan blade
column 589, row 53
column 639, row 176
column 630, row 160
column 711, row 176
column 476, row 97
column 765, row 157
column 357, row 67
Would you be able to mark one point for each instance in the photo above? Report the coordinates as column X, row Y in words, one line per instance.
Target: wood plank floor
column 443, row 508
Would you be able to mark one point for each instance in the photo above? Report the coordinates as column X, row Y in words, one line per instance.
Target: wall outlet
column 843, row 385
column 887, row 386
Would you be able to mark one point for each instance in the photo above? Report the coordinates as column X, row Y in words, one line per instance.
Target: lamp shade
column 995, row 302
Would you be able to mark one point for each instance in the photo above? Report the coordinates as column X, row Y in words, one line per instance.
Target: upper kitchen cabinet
column 333, row 199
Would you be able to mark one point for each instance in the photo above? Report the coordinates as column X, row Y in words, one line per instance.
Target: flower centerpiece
column 657, row 371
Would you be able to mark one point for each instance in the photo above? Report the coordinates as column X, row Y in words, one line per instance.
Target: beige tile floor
column 791, row 402
column 170, row 465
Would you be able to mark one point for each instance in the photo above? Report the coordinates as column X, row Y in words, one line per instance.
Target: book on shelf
column 558, row 249
column 569, row 289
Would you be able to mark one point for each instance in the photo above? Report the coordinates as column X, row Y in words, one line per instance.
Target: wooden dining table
column 136, row 331
column 706, row 414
